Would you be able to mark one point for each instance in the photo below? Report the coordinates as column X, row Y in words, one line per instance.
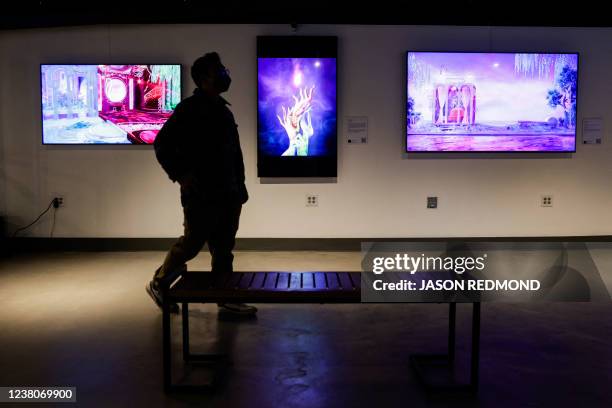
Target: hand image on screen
column 291, row 130
column 299, row 130
column 302, row 104
column 301, row 142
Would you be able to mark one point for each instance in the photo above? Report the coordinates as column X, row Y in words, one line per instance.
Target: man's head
column 210, row 75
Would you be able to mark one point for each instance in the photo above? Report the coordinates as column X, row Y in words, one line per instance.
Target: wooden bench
column 298, row 287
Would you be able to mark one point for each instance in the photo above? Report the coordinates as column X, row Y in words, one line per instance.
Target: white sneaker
column 237, row 308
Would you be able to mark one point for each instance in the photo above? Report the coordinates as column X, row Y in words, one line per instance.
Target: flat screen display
column 296, row 105
column 491, row 102
column 107, row 104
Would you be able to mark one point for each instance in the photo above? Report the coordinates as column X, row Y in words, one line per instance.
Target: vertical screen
column 297, row 106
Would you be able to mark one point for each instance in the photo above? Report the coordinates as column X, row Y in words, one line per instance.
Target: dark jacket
column 201, row 139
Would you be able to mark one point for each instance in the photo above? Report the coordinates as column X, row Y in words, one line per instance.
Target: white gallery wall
column 121, row 191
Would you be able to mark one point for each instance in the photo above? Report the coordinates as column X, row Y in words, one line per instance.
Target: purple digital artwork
column 297, row 106
column 497, row 102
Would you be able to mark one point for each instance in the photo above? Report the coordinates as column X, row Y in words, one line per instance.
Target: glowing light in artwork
column 131, row 85
column 100, row 93
column 297, row 78
column 496, row 65
column 317, row 64
column 115, row 90
column 83, row 92
column 63, row 83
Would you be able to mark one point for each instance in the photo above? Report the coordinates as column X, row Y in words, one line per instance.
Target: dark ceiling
column 51, row 13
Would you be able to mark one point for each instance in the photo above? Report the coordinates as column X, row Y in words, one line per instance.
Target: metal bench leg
column 437, row 371
column 185, row 314
column 166, row 347
column 188, row 357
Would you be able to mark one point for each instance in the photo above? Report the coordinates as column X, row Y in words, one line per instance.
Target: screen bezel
column 480, row 152
column 296, row 47
column 42, row 134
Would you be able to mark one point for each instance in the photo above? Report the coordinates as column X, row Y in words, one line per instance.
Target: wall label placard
column 356, row 129
column 592, row 130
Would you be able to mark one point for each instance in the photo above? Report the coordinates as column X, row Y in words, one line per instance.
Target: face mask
column 223, row 82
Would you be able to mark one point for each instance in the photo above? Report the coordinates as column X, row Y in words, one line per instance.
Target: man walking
column 199, row 148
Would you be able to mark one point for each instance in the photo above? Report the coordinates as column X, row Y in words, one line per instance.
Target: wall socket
column 432, row 202
column 312, row 200
column 61, row 200
column 546, row 200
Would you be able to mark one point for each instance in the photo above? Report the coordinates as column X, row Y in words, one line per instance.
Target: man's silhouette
column 199, row 148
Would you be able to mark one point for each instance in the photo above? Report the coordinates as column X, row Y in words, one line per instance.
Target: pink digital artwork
column 108, row 104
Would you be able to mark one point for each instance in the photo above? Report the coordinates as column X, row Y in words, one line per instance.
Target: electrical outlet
column 58, row 200
column 312, row 200
column 432, row 202
column 546, row 200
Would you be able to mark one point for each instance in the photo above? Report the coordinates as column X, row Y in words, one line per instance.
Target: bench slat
column 283, row 281
column 268, row 287
column 295, row 281
column 345, row 281
column 245, row 282
column 258, row 280
column 356, row 278
column 308, row 281
column 234, row 281
column 333, row 281
column 320, row 282
column 270, row 281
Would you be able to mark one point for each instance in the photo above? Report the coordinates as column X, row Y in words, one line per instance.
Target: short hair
column 201, row 67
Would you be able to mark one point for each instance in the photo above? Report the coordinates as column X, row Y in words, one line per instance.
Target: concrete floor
column 84, row 320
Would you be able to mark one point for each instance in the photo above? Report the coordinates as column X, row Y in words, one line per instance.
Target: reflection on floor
column 84, row 320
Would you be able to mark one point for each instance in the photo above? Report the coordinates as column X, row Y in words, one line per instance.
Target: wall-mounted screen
column 107, row 104
column 491, row 102
column 296, row 105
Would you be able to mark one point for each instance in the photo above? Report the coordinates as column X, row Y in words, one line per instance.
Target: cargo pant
column 212, row 224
